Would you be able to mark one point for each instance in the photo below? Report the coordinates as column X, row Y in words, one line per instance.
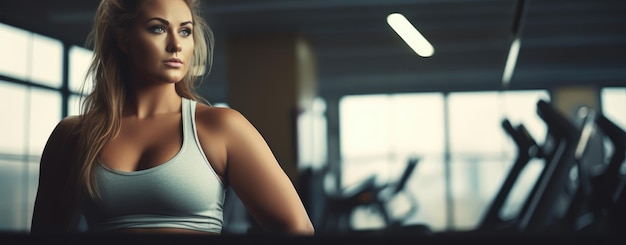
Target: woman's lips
column 174, row 63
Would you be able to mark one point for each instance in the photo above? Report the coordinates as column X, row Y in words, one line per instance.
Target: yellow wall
column 271, row 79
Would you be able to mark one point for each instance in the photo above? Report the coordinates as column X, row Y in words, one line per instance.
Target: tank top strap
column 189, row 108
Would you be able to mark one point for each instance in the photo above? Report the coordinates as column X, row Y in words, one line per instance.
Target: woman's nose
column 174, row 48
column 173, row 45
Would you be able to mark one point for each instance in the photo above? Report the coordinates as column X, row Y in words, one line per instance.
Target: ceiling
column 563, row 42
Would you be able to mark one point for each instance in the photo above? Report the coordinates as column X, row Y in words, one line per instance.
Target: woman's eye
column 185, row 33
column 157, row 29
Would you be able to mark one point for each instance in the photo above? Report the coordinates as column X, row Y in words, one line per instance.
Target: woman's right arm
column 53, row 212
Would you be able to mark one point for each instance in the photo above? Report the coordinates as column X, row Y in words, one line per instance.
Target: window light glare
column 410, row 34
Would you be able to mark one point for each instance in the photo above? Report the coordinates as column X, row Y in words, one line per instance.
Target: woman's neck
column 149, row 101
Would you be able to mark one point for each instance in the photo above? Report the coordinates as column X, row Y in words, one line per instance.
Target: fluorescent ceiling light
column 410, row 35
column 510, row 62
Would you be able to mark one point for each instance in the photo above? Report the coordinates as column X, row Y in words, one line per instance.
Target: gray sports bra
column 184, row 192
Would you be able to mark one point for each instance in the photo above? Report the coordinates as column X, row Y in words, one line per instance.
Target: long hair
column 101, row 109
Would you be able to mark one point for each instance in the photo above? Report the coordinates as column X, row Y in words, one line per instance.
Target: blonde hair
column 102, row 108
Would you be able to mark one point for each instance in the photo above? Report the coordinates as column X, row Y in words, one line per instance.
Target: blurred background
column 371, row 133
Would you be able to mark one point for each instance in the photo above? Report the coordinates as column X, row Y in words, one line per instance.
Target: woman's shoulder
column 69, row 121
column 65, row 129
column 60, row 145
column 68, row 124
column 219, row 117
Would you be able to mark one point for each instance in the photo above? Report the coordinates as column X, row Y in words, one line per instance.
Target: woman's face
column 160, row 44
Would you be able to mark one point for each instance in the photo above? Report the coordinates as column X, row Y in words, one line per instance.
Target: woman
column 146, row 154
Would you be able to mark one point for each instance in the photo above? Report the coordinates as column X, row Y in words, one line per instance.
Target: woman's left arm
column 256, row 176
